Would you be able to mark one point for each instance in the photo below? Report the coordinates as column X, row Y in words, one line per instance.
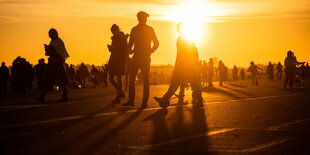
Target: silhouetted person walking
column 279, row 70
column 40, row 72
column 4, row 77
column 210, row 72
column 253, row 69
column 270, row 71
column 117, row 61
column 204, row 71
column 105, row 74
column 83, row 75
column 235, row 72
column 185, row 70
column 94, row 73
column 141, row 37
column 290, row 69
column 56, row 73
column 242, row 74
column 72, row 77
column 128, row 62
column 221, row 69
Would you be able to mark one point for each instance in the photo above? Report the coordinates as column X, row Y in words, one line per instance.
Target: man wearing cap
column 141, row 38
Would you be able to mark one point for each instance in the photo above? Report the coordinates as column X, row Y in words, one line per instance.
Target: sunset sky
column 235, row 31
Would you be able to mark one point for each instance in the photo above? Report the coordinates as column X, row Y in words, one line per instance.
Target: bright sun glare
column 194, row 14
column 190, row 14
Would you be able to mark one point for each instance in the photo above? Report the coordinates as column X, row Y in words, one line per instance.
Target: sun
column 190, row 13
column 192, row 30
column 194, row 15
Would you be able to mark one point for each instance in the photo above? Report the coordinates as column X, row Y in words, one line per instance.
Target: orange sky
column 236, row 31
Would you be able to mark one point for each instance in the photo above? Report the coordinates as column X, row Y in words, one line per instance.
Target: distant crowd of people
column 208, row 72
column 188, row 69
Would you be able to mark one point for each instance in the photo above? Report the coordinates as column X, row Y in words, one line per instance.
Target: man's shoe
column 128, row 103
column 163, row 102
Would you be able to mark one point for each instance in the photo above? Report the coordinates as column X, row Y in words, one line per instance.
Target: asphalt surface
column 237, row 118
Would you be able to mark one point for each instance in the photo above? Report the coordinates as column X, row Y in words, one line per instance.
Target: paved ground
column 236, row 118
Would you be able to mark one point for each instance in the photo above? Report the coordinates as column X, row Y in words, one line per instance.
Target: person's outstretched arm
column 259, row 68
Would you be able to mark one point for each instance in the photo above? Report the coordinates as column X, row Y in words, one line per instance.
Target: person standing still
column 141, row 38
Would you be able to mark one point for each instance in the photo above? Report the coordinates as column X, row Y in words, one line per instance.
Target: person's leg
column 83, row 82
column 173, row 87
column 221, row 79
column 292, row 78
column 114, row 84
column 197, row 93
column 255, row 77
column 181, row 93
column 165, row 100
column 210, row 80
column 132, row 78
column 286, row 79
column 63, row 87
column 120, row 86
column 145, row 69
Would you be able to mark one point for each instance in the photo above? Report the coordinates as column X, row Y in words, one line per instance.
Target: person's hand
column 109, row 47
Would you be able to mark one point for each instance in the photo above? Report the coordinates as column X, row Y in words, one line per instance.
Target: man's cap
column 142, row 14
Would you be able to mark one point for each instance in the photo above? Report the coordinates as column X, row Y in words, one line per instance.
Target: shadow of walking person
column 161, row 131
column 189, row 132
column 199, row 142
column 221, row 91
column 99, row 143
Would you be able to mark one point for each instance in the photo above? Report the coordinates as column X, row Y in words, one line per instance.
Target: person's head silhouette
column 252, row 63
column 53, row 34
column 3, row 63
column 114, row 29
column 289, row 53
column 142, row 17
column 180, row 27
